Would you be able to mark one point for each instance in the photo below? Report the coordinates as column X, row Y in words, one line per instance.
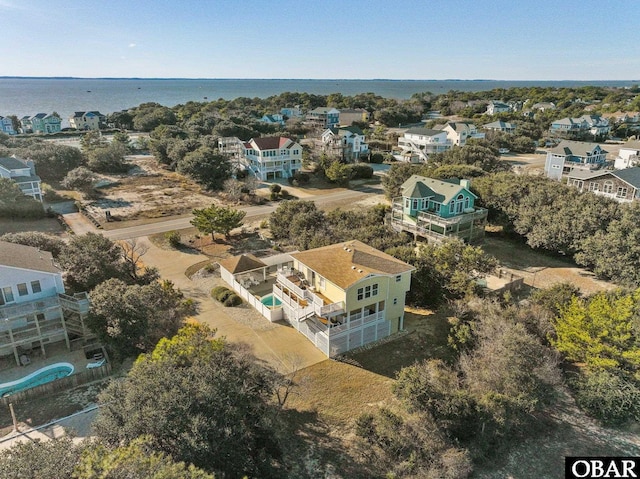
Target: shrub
column 608, row 397
column 217, row 291
column 275, row 188
column 361, row 171
column 173, row 237
column 377, row 158
column 284, row 193
column 232, row 300
column 299, row 178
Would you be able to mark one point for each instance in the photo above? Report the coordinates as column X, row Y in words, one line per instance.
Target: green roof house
column 436, row 209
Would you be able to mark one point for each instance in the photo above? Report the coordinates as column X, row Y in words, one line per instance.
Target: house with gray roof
column 23, row 173
column 323, row 117
column 417, row 144
column 494, row 107
column 42, row 123
column 620, row 185
column 628, row 156
column 500, row 125
column 87, row 120
column 458, row 132
column 574, row 155
column 346, row 142
column 436, row 210
column 6, row 125
column 35, row 312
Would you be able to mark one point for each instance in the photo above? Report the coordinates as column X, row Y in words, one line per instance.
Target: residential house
column 233, row 147
column 459, row 132
column 44, row 123
column 495, row 107
column 628, row 156
column 500, row 125
column 292, row 112
column 592, row 126
column 6, row 125
column 275, row 119
column 620, row 185
column 437, row 210
column 346, row 142
column 87, row 120
column 570, row 155
column 418, row 143
column 323, row 117
column 23, row 173
column 25, row 124
column 273, row 157
column 340, row 297
column 34, row 309
column 348, row 117
column 542, row 106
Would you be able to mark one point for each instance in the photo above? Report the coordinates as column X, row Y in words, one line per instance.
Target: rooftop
column 26, row 257
column 344, row 264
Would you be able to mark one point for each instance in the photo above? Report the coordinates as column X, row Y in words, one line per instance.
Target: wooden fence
column 58, row 385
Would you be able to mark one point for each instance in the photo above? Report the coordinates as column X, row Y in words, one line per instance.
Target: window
column 367, row 291
column 7, row 294
column 395, row 300
column 608, row 187
column 22, row 289
column 406, row 203
column 593, row 186
column 621, row 193
column 398, row 278
column 415, row 204
column 35, row 287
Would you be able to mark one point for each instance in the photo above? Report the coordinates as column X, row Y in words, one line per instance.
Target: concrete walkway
column 278, row 345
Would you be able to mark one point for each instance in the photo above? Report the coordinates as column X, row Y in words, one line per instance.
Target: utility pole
column 13, row 418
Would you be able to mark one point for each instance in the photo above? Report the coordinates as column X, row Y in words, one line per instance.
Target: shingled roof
column 344, row 264
column 422, row 187
column 575, row 148
column 11, row 163
column 270, row 143
column 26, row 257
column 241, row 264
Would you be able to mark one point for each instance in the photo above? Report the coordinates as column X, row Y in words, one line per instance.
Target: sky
column 323, row 39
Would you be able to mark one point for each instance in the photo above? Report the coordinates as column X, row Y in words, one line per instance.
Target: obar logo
column 601, row 467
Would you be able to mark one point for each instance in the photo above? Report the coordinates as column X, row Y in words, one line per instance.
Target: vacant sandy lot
column 147, row 191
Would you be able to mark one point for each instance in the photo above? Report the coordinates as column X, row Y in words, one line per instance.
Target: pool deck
column 56, row 353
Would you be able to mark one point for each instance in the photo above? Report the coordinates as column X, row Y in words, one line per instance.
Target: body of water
column 28, row 96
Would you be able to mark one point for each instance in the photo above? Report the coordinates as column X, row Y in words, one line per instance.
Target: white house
column 34, row 311
column 459, row 132
column 419, row 143
column 495, row 107
column 272, row 157
column 24, row 174
column 87, row 120
column 292, row 112
column 346, row 142
column 628, row 156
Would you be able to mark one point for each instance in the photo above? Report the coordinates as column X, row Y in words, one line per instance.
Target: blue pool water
column 271, row 301
column 41, row 376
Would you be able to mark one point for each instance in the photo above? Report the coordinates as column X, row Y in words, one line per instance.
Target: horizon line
column 18, row 77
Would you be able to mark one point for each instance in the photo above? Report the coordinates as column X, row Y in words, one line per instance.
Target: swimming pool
column 271, row 301
column 41, row 376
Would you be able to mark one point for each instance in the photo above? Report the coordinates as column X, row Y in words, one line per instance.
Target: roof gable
column 241, row 264
column 26, row 257
column 442, row 191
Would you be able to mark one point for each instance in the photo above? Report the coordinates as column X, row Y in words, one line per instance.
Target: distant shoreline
column 10, row 77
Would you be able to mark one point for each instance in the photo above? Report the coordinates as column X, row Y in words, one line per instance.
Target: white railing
column 32, row 307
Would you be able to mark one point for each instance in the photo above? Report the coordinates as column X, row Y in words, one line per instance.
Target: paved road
column 345, row 196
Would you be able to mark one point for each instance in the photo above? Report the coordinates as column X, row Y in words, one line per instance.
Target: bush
column 173, row 237
column 377, row 158
column 299, row 178
column 232, row 300
column 361, row 171
column 608, row 397
column 284, row 193
column 220, row 292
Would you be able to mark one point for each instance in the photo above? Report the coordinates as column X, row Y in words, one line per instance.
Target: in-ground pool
column 41, row 376
column 271, row 301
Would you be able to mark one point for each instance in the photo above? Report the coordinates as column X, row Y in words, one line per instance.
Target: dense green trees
column 61, row 458
column 206, row 166
column 447, row 271
column 131, row 319
column 217, row 219
column 81, row 179
column 15, row 204
column 42, row 241
column 200, row 401
column 303, row 225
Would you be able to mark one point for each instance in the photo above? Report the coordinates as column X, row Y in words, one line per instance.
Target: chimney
column 32, row 166
column 465, row 183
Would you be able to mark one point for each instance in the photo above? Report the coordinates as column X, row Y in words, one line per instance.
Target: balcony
column 294, row 291
column 14, row 311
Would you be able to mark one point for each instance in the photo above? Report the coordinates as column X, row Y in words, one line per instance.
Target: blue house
column 436, row 210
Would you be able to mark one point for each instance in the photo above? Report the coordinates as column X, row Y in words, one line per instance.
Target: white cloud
column 132, row 45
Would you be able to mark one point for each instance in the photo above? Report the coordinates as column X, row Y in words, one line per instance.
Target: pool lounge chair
column 96, row 364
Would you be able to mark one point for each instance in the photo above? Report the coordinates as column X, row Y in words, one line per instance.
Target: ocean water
column 28, row 96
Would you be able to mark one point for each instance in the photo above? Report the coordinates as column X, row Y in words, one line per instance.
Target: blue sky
column 421, row 39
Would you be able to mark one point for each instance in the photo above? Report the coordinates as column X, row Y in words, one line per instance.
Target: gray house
column 573, row 155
